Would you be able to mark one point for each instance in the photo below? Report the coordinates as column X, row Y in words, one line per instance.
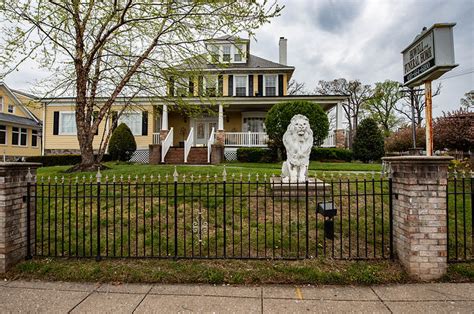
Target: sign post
column 429, row 56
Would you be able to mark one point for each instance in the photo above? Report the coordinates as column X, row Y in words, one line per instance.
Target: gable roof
column 17, row 102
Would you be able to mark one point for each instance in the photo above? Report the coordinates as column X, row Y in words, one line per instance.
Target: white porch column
column 164, row 118
column 339, row 116
column 220, row 123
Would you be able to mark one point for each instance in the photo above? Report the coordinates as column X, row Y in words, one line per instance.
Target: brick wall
column 13, row 212
column 419, row 214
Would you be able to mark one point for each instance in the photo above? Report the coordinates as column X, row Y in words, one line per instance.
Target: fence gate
column 231, row 216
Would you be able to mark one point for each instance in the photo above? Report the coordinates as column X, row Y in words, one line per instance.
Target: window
column 1, row 104
column 210, row 82
column 240, row 83
column 182, row 86
column 214, row 53
column 133, row 120
column 11, row 109
column 3, row 134
column 239, row 51
column 67, row 123
column 19, row 136
column 226, row 53
column 253, row 121
column 270, row 85
column 34, row 138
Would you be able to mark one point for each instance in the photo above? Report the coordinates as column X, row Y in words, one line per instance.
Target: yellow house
column 20, row 128
column 236, row 85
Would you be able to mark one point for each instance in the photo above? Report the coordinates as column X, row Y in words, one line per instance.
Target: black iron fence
column 228, row 216
column 460, row 211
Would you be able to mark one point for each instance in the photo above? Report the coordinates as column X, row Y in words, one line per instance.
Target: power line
column 456, row 75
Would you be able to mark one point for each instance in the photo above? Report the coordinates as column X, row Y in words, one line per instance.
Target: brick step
column 197, row 156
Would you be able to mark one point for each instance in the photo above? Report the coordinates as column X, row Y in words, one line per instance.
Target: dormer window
column 11, row 109
column 238, row 53
column 214, row 53
column 226, row 53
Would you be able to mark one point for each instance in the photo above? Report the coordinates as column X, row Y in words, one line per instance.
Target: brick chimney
column 283, row 51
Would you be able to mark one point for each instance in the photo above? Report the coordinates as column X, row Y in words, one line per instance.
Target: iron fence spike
column 175, row 175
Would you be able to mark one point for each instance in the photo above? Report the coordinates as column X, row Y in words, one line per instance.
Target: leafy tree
column 102, row 51
column 454, row 130
column 402, row 141
column 122, row 143
column 357, row 93
column 368, row 142
column 382, row 105
column 468, row 101
column 279, row 117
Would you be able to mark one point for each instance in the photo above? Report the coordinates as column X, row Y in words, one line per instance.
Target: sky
column 350, row 39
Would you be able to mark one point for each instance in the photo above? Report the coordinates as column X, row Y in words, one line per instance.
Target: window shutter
column 56, row 123
column 260, row 85
column 200, row 85
column 94, row 116
column 220, row 85
column 191, row 86
column 251, row 85
column 114, row 120
column 230, row 91
column 171, row 83
column 280, row 85
column 145, row 123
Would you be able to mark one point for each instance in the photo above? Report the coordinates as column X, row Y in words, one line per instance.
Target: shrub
column 279, row 117
column 322, row 154
column 256, row 154
column 122, row 143
column 402, row 141
column 368, row 142
column 454, row 130
column 59, row 160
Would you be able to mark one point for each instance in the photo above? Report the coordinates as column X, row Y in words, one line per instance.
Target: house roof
column 229, row 38
column 253, row 62
column 18, row 102
column 9, row 118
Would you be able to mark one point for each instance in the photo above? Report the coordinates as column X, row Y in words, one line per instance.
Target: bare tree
column 104, row 51
column 296, row 88
column 357, row 93
column 468, row 101
column 404, row 106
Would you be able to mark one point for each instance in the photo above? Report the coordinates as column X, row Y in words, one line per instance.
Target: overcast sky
column 363, row 40
column 355, row 40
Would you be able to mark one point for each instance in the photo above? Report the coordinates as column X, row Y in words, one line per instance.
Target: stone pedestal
column 163, row 134
column 14, row 233
column 419, row 214
column 340, row 138
column 154, row 154
column 220, row 137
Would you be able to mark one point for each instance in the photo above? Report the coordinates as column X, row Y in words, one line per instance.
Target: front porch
column 216, row 138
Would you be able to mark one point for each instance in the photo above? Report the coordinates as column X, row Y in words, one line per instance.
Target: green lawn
column 232, row 168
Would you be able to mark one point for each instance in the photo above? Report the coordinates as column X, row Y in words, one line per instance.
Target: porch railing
column 188, row 144
column 210, row 142
column 165, row 146
column 330, row 141
column 156, row 138
column 246, row 139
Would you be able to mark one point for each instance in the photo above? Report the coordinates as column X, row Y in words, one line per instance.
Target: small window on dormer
column 226, row 53
column 214, row 53
column 11, row 109
column 239, row 52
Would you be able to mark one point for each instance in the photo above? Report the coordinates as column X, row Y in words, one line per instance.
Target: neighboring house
column 234, row 83
column 20, row 128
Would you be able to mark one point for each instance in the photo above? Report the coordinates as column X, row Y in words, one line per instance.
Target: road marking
column 299, row 295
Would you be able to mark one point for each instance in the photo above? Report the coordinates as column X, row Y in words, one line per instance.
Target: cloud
column 333, row 16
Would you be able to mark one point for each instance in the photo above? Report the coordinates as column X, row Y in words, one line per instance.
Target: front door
column 202, row 130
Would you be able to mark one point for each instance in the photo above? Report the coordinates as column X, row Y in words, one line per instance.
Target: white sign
column 430, row 55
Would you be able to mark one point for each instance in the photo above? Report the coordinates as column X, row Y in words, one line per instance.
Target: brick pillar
column 340, row 138
column 220, row 137
column 419, row 214
column 154, row 154
column 13, row 212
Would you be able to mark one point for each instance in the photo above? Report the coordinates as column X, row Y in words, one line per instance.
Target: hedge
column 256, row 154
column 59, row 160
column 323, row 154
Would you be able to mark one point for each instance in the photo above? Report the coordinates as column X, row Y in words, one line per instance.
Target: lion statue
column 298, row 141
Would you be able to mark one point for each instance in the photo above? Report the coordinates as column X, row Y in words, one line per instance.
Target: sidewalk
column 62, row 297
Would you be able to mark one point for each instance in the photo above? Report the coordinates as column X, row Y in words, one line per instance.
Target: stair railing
column 166, row 144
column 188, row 144
column 210, row 142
